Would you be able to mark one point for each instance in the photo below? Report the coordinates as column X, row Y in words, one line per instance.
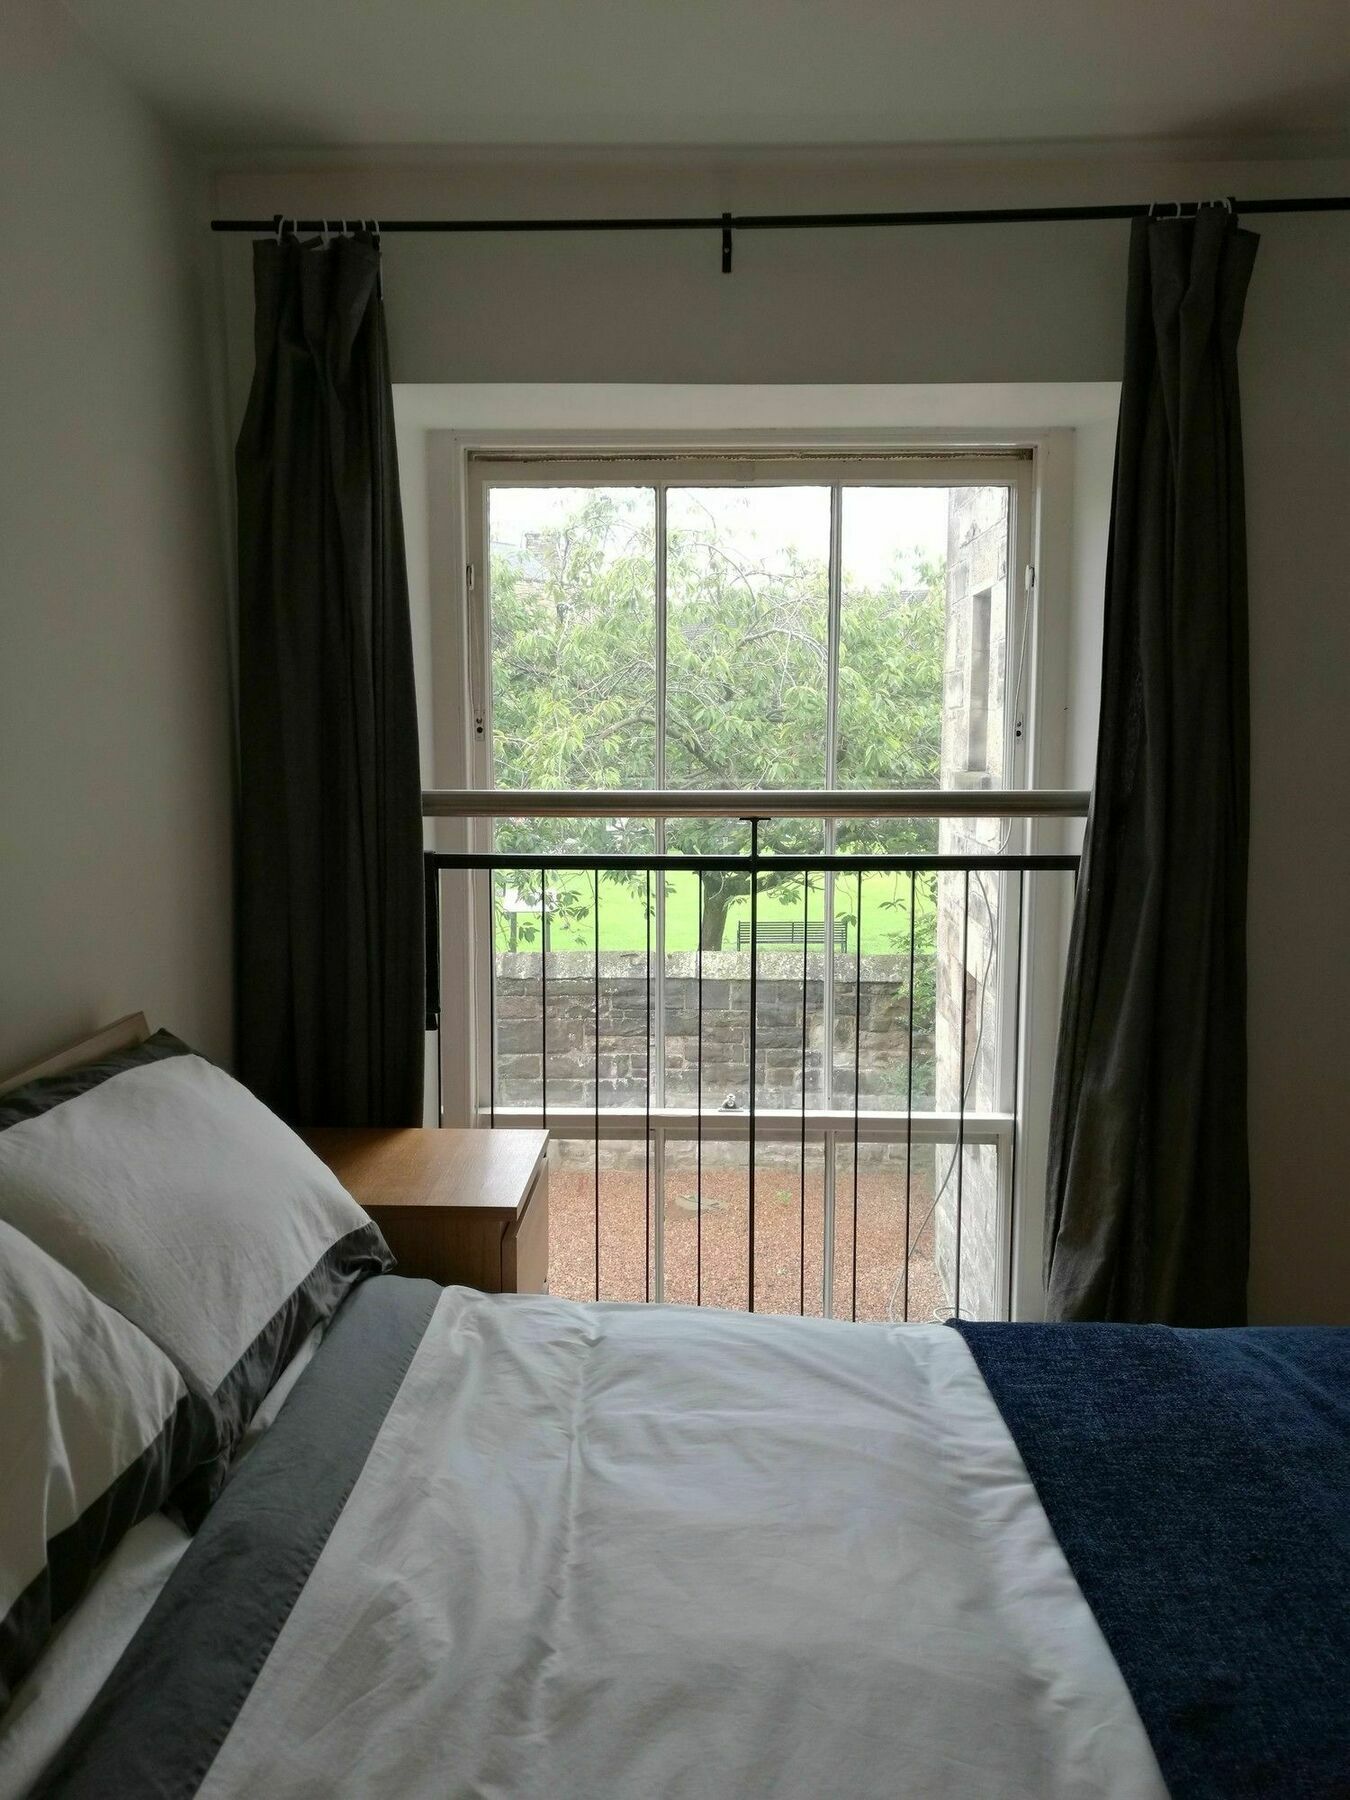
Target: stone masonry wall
column 571, row 1039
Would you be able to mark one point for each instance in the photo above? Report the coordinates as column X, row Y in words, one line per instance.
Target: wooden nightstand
column 455, row 1206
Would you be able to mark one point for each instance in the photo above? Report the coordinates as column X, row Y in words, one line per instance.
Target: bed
column 461, row 1544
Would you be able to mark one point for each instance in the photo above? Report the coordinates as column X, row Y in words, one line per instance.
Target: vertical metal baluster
column 806, row 951
column 857, row 1077
column 961, row 1095
column 431, row 945
column 440, row 1059
column 1016, row 1113
column 660, row 501
column 492, row 1002
column 431, row 937
column 647, row 1115
column 543, row 998
column 594, row 1111
column 698, row 1114
column 829, row 1147
column 754, row 1009
column 909, row 1099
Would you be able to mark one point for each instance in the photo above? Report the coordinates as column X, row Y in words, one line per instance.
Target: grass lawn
column 885, row 912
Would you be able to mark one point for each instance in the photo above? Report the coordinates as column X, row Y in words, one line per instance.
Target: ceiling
column 286, row 74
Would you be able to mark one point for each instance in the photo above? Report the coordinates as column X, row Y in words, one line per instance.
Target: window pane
column 748, row 610
column 977, row 616
column 872, row 968
column 573, row 644
column 968, row 1209
column 707, row 1018
column 591, row 1004
column 789, row 1226
column 922, row 647
column 969, row 985
column 599, row 1218
column 922, row 678
column 706, row 1219
column 894, row 1203
column 891, row 639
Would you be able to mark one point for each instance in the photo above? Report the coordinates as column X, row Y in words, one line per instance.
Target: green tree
column 574, row 685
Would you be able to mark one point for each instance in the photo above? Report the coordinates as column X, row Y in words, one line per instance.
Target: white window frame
column 459, row 467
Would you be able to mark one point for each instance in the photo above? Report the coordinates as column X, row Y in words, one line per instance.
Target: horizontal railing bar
column 783, row 1124
column 936, row 863
column 758, row 803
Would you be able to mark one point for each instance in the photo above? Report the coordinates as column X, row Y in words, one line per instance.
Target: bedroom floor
column 724, row 1258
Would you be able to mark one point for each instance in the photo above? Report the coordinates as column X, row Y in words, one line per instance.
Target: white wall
column 1025, row 304
column 1296, row 399
column 115, row 799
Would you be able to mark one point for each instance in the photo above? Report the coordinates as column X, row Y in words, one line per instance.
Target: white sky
column 879, row 524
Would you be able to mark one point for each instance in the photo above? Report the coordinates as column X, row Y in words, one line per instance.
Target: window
column 751, row 623
column 755, row 626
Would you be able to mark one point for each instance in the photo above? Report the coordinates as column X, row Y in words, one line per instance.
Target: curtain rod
column 727, row 223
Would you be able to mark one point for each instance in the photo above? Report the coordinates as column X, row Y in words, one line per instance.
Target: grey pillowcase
column 99, row 1430
column 185, row 1204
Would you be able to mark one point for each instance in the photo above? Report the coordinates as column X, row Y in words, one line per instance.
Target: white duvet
column 628, row 1551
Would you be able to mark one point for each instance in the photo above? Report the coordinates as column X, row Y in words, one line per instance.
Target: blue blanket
column 1199, row 1483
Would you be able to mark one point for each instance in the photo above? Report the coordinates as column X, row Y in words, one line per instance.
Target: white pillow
column 181, row 1201
column 98, row 1431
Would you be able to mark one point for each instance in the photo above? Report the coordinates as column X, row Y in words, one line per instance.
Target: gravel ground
column 723, row 1255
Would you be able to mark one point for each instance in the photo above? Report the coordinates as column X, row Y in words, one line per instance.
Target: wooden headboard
column 122, row 1034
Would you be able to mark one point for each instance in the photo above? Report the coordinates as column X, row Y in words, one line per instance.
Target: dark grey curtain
column 1148, row 1189
column 330, row 1005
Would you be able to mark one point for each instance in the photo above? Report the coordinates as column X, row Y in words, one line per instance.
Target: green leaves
column 573, row 637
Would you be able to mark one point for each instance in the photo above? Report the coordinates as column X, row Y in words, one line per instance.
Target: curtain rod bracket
column 726, row 243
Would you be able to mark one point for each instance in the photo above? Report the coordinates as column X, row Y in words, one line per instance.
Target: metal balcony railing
column 827, row 1134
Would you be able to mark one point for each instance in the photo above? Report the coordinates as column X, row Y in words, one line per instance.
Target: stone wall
column 570, row 979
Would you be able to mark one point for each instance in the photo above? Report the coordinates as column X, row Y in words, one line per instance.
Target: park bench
column 792, row 932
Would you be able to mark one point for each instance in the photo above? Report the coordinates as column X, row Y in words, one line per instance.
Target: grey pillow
column 182, row 1202
column 99, row 1429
